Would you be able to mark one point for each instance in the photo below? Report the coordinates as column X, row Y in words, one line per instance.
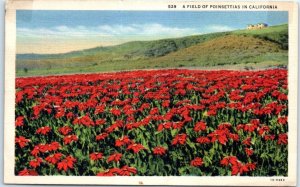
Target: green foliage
column 161, row 48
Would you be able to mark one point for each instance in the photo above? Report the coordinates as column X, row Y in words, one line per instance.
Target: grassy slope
column 257, row 48
column 231, row 49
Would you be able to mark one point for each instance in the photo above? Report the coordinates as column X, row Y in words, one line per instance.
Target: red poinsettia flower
column 114, row 157
column 224, row 161
column 219, row 135
column 255, row 121
column 127, row 171
column 70, row 138
column 247, row 141
column 248, row 151
column 84, row 120
column 263, row 129
column 159, row 150
column 69, row 115
column 100, row 121
column 179, row 139
column 43, row 130
column 240, row 127
column 200, row 126
column 53, row 159
column 135, row 147
column 250, row 127
column 19, row 121
column 163, row 126
column 116, row 112
column 154, row 111
column 21, row 141
column 66, row 163
column 123, row 141
column 203, row 140
column 282, row 139
column 234, row 137
column 109, row 172
column 53, row 146
column 229, row 160
column 269, row 137
column 177, row 125
column 101, row 136
column 44, row 148
column 99, row 109
column 65, row 130
column 251, row 166
column 282, row 120
column 96, row 156
column 35, row 162
column 240, row 168
column 166, row 103
column 35, row 151
column 197, row 162
column 27, row 172
column 224, row 126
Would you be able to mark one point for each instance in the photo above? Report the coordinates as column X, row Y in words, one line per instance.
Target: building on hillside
column 257, row 26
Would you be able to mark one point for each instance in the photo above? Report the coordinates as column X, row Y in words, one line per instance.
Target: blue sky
column 41, row 31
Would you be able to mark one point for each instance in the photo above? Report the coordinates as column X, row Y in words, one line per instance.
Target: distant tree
column 127, row 56
column 162, row 48
column 25, row 70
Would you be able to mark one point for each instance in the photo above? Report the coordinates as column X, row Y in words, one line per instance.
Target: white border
column 10, row 47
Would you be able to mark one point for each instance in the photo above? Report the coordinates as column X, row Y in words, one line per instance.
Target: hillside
column 241, row 48
column 227, row 50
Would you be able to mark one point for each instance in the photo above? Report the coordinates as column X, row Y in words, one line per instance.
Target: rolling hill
column 243, row 49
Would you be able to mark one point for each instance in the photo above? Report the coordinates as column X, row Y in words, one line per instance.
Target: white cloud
column 64, row 38
column 218, row 28
column 138, row 30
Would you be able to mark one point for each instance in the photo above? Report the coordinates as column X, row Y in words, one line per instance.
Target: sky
column 57, row 31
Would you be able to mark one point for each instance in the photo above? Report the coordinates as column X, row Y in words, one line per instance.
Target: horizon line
column 122, row 43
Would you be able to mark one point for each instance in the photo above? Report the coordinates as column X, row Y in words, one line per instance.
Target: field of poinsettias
column 153, row 123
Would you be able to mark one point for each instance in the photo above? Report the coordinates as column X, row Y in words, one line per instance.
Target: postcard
column 132, row 92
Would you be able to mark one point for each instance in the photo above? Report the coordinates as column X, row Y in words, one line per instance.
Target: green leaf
column 78, row 132
column 95, row 170
column 207, row 161
column 79, row 155
column 191, row 144
column 173, row 132
column 212, row 151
